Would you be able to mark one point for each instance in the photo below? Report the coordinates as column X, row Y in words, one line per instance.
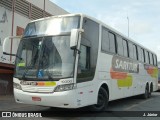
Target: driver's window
column 83, row 59
column 26, row 56
column 84, row 72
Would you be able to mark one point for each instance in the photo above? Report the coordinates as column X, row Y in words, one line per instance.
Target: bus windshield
column 44, row 51
column 52, row 26
column 45, row 57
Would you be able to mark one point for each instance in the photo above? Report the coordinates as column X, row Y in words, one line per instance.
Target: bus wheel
column 151, row 90
column 102, row 101
column 146, row 94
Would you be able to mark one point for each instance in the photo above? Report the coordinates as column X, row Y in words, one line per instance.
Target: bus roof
column 101, row 23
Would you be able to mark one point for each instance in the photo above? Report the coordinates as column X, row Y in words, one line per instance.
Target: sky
column 144, row 17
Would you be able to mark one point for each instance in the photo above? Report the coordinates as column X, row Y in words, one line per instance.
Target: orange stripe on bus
column 41, row 84
column 117, row 75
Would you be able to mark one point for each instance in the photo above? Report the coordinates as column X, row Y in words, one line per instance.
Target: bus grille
column 38, row 89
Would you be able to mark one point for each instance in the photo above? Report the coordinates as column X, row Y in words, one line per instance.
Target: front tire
column 102, row 101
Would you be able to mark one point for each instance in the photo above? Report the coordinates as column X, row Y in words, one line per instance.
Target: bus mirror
column 14, row 40
column 74, row 37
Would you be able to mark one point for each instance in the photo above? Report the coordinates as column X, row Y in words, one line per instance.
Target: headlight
column 65, row 87
column 17, row 86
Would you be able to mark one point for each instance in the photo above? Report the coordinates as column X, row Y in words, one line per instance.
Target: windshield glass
column 52, row 26
column 45, row 57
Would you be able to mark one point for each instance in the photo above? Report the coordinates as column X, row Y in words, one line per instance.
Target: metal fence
column 25, row 8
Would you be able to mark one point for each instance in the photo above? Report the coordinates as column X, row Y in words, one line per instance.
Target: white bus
column 72, row 61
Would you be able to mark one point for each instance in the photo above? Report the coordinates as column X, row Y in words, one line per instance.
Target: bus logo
column 124, row 65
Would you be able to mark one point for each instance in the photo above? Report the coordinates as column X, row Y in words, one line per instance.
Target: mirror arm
column 12, row 55
column 8, row 54
column 77, row 50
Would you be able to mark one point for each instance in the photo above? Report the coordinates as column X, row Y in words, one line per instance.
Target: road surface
column 123, row 109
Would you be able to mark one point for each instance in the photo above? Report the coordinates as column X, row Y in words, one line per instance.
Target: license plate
column 36, row 99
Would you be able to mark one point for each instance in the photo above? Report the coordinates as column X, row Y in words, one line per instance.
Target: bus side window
column 155, row 60
column 139, row 53
column 90, row 42
column 146, row 57
column 151, row 58
column 105, row 40
column 85, row 73
column 120, row 45
column 84, row 59
column 135, row 56
column 108, row 41
column 130, row 45
column 112, row 43
column 142, row 53
column 125, row 48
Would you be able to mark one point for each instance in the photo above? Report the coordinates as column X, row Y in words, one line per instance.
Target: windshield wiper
column 30, row 36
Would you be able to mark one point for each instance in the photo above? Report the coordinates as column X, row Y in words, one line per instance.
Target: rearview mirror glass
column 74, row 38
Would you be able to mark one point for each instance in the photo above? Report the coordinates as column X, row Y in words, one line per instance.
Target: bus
column 73, row 61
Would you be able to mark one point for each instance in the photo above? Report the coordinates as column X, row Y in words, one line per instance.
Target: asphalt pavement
column 132, row 108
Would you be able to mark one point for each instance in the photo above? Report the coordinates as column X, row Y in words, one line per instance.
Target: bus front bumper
column 65, row 99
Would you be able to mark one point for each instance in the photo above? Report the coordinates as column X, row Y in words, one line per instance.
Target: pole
column 128, row 25
column 13, row 9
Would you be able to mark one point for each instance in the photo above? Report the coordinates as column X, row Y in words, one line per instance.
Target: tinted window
column 135, row 52
column 119, row 45
column 151, row 58
column 108, row 41
column 90, row 39
column 112, row 42
column 125, row 48
column 146, row 57
column 105, row 40
column 84, row 59
column 139, row 54
column 155, row 59
column 130, row 45
column 142, row 53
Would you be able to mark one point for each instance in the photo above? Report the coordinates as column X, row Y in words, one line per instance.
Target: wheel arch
column 105, row 86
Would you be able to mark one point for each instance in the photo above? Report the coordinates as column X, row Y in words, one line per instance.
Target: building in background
column 14, row 16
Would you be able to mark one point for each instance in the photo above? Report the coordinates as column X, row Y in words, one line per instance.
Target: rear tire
column 146, row 94
column 150, row 91
column 102, row 101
